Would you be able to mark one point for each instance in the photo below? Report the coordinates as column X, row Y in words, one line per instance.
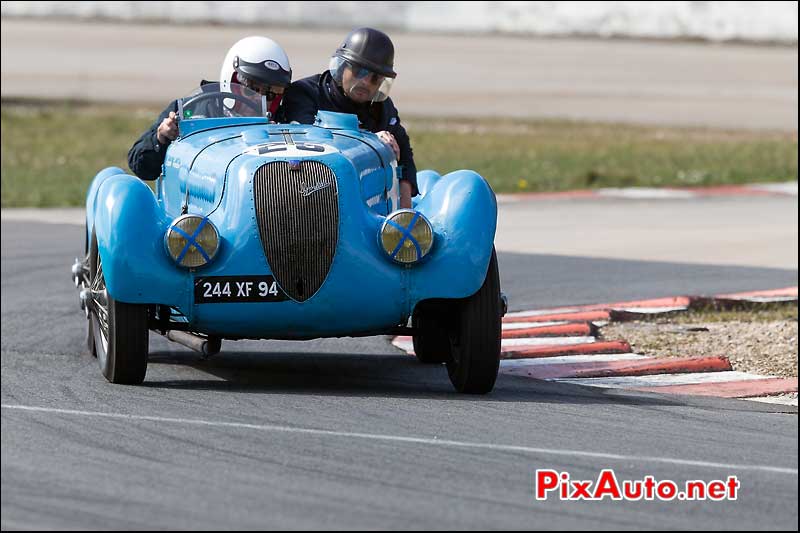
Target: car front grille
column 297, row 210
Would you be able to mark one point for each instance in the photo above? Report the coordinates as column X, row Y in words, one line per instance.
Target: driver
column 358, row 80
column 258, row 63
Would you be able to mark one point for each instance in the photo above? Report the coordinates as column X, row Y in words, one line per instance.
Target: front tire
column 90, row 337
column 89, row 327
column 475, row 337
column 120, row 329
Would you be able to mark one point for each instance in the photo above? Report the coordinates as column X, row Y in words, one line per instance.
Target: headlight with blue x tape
column 406, row 236
column 192, row 241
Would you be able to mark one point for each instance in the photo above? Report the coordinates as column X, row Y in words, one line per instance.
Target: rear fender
column 426, row 179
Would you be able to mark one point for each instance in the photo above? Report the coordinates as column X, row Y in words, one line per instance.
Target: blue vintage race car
column 258, row 230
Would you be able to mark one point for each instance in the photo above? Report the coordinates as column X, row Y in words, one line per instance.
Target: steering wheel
column 223, row 96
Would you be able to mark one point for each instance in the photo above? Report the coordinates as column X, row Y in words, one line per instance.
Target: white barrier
column 769, row 21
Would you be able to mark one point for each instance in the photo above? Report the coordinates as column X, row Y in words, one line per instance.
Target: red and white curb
column 561, row 345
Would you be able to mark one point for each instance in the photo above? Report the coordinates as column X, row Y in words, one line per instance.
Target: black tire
column 475, row 337
column 431, row 341
column 89, row 329
column 213, row 346
column 90, row 337
column 120, row 330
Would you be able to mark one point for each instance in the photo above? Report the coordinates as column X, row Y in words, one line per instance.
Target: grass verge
column 51, row 151
column 761, row 341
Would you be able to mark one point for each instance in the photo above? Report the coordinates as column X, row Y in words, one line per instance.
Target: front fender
column 129, row 226
column 91, row 198
column 462, row 209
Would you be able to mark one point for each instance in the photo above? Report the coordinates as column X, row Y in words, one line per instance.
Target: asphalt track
column 352, row 433
column 732, row 86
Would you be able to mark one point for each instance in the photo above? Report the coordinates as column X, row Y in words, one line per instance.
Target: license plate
column 228, row 289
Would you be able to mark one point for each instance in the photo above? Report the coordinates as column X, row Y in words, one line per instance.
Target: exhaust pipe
column 205, row 346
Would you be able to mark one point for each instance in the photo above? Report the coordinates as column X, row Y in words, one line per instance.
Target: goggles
column 270, row 91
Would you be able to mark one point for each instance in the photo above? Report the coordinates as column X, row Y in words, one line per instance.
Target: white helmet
column 255, row 58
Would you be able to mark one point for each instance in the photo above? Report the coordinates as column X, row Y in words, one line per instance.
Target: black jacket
column 305, row 97
column 146, row 156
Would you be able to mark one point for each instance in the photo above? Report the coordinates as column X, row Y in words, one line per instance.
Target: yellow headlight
column 189, row 247
column 406, row 236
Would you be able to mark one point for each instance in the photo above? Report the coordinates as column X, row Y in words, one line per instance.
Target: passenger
column 257, row 63
column 360, row 75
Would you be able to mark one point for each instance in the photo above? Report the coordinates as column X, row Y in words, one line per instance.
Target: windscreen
column 210, row 101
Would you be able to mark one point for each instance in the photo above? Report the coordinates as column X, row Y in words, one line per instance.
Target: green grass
column 762, row 313
column 562, row 155
column 746, row 312
column 50, row 152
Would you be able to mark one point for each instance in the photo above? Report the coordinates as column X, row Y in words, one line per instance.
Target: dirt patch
column 752, row 343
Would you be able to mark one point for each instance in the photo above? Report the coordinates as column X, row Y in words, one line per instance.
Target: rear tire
column 431, row 342
column 475, row 337
column 213, row 346
column 120, row 329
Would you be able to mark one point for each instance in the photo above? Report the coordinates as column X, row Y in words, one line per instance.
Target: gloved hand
column 168, row 129
column 389, row 140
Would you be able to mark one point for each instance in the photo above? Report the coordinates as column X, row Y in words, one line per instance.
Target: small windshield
column 210, row 101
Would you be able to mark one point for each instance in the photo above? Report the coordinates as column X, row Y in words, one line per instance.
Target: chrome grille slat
column 299, row 233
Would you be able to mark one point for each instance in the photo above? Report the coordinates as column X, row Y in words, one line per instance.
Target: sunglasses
column 360, row 73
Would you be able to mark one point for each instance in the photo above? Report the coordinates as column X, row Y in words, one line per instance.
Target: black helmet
column 369, row 48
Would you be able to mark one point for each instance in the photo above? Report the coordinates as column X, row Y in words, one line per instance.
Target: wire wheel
column 120, row 329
